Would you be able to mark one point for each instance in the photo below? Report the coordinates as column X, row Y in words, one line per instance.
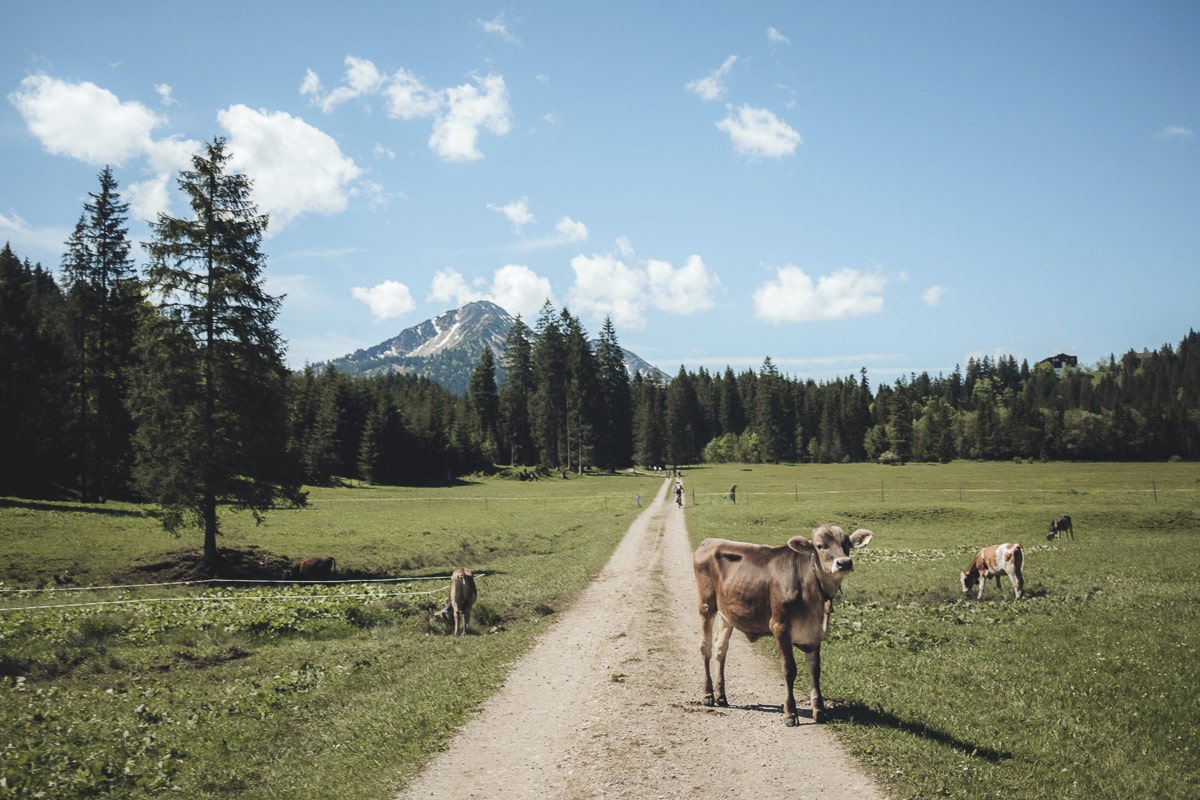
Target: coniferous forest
column 139, row 381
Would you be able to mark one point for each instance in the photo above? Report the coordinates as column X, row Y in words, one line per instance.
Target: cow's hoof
column 722, row 702
column 818, row 715
column 708, row 701
column 790, row 721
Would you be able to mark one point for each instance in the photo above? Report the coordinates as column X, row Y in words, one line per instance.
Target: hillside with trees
column 120, row 382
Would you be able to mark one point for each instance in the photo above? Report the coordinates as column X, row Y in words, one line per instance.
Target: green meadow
column 1084, row 688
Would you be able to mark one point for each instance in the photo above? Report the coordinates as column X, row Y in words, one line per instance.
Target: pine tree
column 682, row 411
column 548, row 406
column 34, row 407
column 103, row 296
column 614, row 432
column 516, row 393
column 584, row 416
column 210, row 400
column 485, row 402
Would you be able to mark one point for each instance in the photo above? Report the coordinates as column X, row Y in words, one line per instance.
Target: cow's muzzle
column 843, row 564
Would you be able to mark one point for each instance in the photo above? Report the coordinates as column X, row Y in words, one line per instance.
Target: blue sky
column 890, row 186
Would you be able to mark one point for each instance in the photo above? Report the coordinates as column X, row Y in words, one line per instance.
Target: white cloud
column 794, row 297
column 570, row 230
column 459, row 113
column 520, row 290
column 566, row 231
column 758, row 132
column 84, row 121
column 362, row 78
column 408, row 98
column 775, row 37
column 311, row 84
column 469, row 108
column 515, row 288
column 165, row 95
column 606, row 286
column 450, row 286
column 686, row 290
column 24, row 237
column 296, row 168
column 712, row 86
column 386, row 300
column 1178, row 132
column 517, row 212
column 498, row 28
column 933, row 295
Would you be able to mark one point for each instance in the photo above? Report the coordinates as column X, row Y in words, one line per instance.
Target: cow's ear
column 800, row 544
column 861, row 537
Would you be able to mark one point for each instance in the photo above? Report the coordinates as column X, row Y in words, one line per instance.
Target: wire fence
column 232, row 582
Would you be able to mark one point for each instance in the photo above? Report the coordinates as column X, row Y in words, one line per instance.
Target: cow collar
column 826, row 596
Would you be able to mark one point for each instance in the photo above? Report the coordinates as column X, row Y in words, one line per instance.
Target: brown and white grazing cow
column 462, row 597
column 992, row 562
column 1059, row 525
column 785, row 591
column 314, row 569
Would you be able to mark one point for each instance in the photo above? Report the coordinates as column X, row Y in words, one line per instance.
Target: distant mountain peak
column 447, row 348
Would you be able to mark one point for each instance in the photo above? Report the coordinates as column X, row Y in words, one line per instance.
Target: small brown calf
column 462, row 598
column 1060, row 525
column 314, row 569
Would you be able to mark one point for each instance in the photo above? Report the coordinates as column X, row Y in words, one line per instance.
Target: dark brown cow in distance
column 462, row 598
column 992, row 562
column 314, row 569
column 784, row 591
column 1060, row 525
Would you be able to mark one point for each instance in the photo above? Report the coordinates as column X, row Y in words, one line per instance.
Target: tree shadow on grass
column 71, row 506
column 849, row 712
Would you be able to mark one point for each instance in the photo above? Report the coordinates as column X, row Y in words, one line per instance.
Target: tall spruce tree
column 210, row 402
column 103, row 295
column 485, row 402
column 548, row 406
column 614, row 430
column 583, row 417
column 516, row 394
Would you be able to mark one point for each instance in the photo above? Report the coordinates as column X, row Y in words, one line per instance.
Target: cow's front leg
column 813, row 657
column 784, row 643
column 724, row 631
column 706, row 632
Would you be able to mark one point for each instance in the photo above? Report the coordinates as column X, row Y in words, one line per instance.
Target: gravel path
column 606, row 704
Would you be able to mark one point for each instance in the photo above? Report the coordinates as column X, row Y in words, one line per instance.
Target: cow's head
column 969, row 579
column 832, row 546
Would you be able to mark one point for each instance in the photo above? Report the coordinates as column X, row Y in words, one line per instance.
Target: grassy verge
column 1085, row 688
column 277, row 691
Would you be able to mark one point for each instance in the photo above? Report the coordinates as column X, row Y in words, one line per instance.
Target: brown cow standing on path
column 314, row 569
column 462, row 597
column 785, row 591
column 1059, row 525
column 992, row 562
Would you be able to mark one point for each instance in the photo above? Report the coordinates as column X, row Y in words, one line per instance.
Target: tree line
column 167, row 383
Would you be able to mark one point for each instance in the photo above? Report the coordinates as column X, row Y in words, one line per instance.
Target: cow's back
column 745, row 583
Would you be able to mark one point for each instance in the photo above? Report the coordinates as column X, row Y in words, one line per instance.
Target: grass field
column 1085, row 688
